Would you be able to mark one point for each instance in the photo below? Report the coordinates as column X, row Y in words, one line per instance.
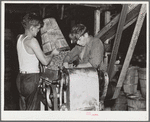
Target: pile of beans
column 57, row 61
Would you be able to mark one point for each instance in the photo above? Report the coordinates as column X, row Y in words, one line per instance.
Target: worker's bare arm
column 34, row 45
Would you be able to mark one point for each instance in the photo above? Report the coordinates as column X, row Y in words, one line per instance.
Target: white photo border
column 70, row 115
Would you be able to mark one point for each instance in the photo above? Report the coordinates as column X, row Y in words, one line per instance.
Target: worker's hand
column 65, row 64
column 55, row 52
column 76, row 63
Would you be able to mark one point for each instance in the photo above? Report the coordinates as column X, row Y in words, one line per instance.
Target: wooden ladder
column 130, row 51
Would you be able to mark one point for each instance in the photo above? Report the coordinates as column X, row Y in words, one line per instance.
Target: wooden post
column 130, row 50
column 107, row 20
column 97, row 14
column 117, row 39
column 107, row 17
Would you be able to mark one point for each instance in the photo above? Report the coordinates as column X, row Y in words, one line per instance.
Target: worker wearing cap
column 88, row 51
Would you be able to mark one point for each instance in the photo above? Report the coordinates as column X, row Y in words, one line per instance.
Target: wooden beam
column 126, row 26
column 132, row 45
column 110, row 29
column 117, row 39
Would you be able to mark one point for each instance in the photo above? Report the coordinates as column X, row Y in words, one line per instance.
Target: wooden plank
column 117, row 39
column 131, row 6
column 110, row 29
column 127, row 25
column 132, row 45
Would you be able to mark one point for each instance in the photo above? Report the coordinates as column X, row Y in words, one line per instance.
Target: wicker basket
column 136, row 102
column 120, row 103
column 131, row 81
column 142, row 80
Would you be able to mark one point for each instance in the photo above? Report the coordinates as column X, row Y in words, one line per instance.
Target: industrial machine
column 72, row 89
